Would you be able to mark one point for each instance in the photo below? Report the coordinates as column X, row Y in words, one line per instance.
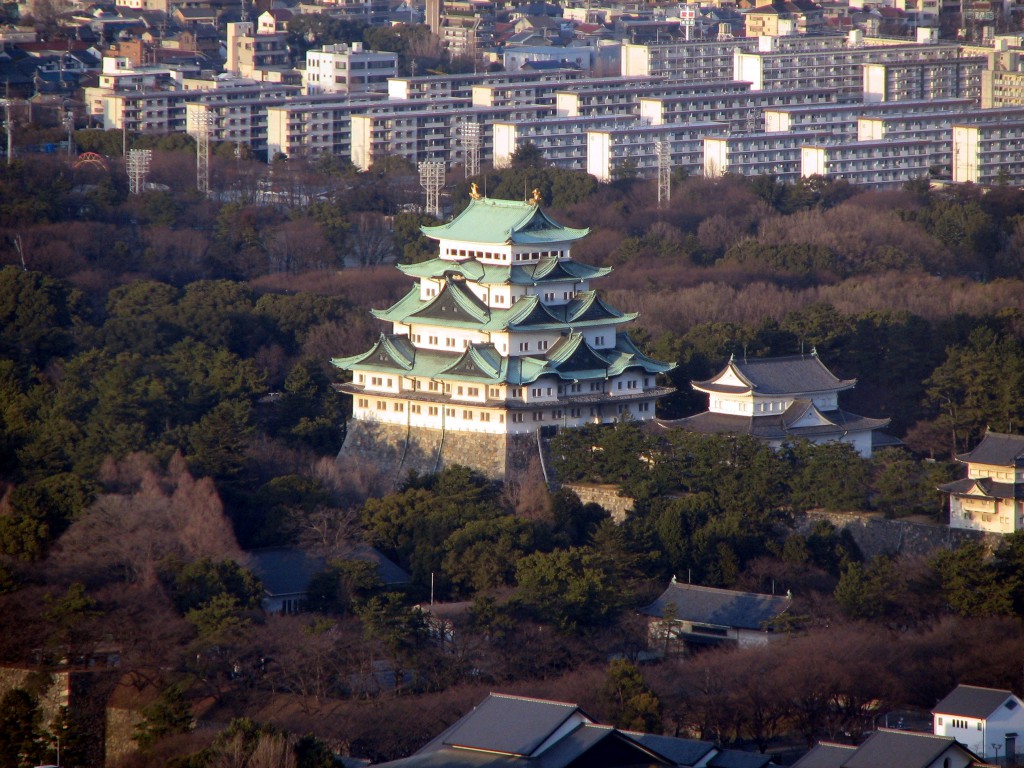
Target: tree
column 169, row 714
column 971, row 585
column 194, row 584
column 528, row 155
column 20, row 729
column 569, row 587
column 631, row 704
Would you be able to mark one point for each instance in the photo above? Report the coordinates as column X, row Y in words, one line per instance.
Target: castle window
column 415, row 408
column 467, row 415
column 432, row 410
column 542, row 345
column 574, row 413
column 363, row 403
column 359, row 378
column 460, row 390
column 473, row 391
column 485, row 417
column 400, row 407
column 517, row 417
column 524, row 346
column 381, row 405
column 432, row 386
column 538, row 416
column 449, row 412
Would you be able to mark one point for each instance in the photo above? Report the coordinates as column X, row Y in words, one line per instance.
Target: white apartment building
column 506, row 94
column 885, row 163
column 348, row 69
column 428, row 134
column 756, row 154
column 636, row 144
column 315, row 125
column 839, row 67
column 915, row 80
column 840, row 120
column 989, row 153
column 237, row 120
column 562, row 140
column 460, row 86
column 743, row 109
column 684, row 59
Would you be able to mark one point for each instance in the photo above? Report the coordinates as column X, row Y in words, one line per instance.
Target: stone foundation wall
column 876, row 535
column 606, row 496
column 396, row 450
column 120, row 728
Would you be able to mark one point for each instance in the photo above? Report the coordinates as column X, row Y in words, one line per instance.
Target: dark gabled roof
column 454, row 302
column 573, row 353
column 779, row 426
column 734, row 758
column 983, row 488
column 288, row 571
column 510, row 725
column 972, row 701
column 680, row 751
column 901, row 749
column 997, row 449
column 721, row 607
column 778, row 376
column 826, row 756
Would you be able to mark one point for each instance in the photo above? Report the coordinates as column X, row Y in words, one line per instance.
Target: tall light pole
column 69, row 125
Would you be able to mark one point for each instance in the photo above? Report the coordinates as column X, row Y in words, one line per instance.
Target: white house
column 991, row 497
column 985, row 720
column 780, row 399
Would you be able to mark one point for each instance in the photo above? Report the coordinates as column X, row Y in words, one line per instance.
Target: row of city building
column 871, row 111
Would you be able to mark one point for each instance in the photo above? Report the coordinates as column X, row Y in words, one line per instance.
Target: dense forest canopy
column 166, row 406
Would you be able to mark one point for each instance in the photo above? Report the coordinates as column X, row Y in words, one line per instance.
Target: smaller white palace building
column 779, row 399
column 991, row 497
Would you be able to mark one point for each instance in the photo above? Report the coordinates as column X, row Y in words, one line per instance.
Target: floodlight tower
column 138, row 167
column 202, row 121
column 432, row 179
column 471, row 141
column 664, row 151
column 69, row 126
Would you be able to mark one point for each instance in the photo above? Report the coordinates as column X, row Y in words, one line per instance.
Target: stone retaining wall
column 606, row 496
column 876, row 535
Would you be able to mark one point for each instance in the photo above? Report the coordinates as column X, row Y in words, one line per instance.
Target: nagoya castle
column 501, row 342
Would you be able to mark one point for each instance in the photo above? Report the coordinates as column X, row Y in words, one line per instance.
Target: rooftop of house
column 998, row 449
column 288, row 571
column 885, row 748
column 721, row 607
column 777, row 376
column 975, row 702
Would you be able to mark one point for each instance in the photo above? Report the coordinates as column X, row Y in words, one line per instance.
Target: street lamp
column 996, row 747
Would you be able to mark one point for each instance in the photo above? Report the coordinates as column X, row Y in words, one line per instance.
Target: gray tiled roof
column 722, row 607
column 777, row 427
column 288, row 570
column 972, row 701
column 734, row 758
column 825, row 756
column 901, row 749
column 783, row 375
column 681, row 751
column 985, row 488
column 509, row 724
column 998, row 449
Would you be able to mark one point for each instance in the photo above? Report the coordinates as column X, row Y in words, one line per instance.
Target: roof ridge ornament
column 474, row 191
column 535, row 198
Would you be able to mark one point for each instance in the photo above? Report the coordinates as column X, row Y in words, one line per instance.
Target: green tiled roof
column 458, row 307
column 489, row 220
column 546, row 270
column 570, row 359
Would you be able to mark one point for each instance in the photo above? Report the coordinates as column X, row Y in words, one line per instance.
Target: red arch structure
column 91, row 158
